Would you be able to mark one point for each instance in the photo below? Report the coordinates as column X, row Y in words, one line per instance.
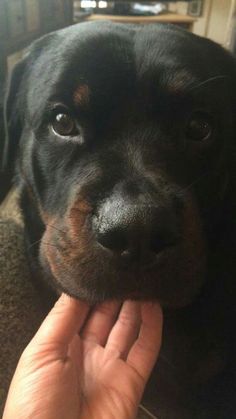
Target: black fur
column 133, row 206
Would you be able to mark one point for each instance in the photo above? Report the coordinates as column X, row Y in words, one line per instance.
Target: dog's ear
column 12, row 117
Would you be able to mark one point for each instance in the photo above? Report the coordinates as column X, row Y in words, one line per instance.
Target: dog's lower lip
column 133, row 295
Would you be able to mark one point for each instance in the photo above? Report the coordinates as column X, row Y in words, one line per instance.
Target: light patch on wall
column 88, row 3
column 102, row 4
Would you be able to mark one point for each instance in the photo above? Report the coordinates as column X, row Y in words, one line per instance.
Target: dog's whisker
column 210, row 80
column 49, row 244
column 41, row 241
column 56, row 228
column 165, row 359
column 34, row 244
column 196, row 181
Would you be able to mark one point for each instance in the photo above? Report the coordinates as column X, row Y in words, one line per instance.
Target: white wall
column 215, row 20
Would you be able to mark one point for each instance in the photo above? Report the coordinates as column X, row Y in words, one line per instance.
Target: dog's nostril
column 157, row 244
column 131, row 247
column 114, row 240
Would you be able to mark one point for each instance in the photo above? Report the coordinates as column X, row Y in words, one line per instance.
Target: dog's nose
column 135, row 233
column 131, row 239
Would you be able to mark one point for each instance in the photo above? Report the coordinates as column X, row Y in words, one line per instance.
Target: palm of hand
column 109, row 386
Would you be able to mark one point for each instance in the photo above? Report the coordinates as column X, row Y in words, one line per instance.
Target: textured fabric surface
column 9, row 209
column 20, row 308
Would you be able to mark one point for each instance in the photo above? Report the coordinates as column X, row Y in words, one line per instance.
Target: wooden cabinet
column 180, row 20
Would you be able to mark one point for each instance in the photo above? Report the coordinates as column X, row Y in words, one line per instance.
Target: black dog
column 123, row 138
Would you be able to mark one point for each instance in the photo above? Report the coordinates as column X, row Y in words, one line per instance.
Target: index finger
column 61, row 324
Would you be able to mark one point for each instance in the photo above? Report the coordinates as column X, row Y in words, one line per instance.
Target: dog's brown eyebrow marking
column 178, row 81
column 82, row 95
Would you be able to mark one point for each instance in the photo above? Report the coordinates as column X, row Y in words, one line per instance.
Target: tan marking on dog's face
column 76, row 219
column 178, row 81
column 68, row 237
column 44, row 215
column 82, row 95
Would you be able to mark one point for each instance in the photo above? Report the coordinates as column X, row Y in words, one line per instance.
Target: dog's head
column 123, row 136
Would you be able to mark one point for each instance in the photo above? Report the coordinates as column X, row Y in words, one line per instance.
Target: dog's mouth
column 79, row 265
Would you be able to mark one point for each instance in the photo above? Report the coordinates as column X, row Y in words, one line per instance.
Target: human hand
column 87, row 365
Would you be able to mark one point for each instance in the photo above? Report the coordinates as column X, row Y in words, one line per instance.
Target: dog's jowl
column 122, row 142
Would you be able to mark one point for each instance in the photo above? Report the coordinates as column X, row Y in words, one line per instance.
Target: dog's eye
column 64, row 125
column 199, row 127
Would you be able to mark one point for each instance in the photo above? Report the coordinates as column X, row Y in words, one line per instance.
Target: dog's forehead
column 82, row 54
column 87, row 49
column 106, row 57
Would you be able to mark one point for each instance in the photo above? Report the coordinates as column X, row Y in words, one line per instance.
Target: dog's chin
column 171, row 281
column 94, row 298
